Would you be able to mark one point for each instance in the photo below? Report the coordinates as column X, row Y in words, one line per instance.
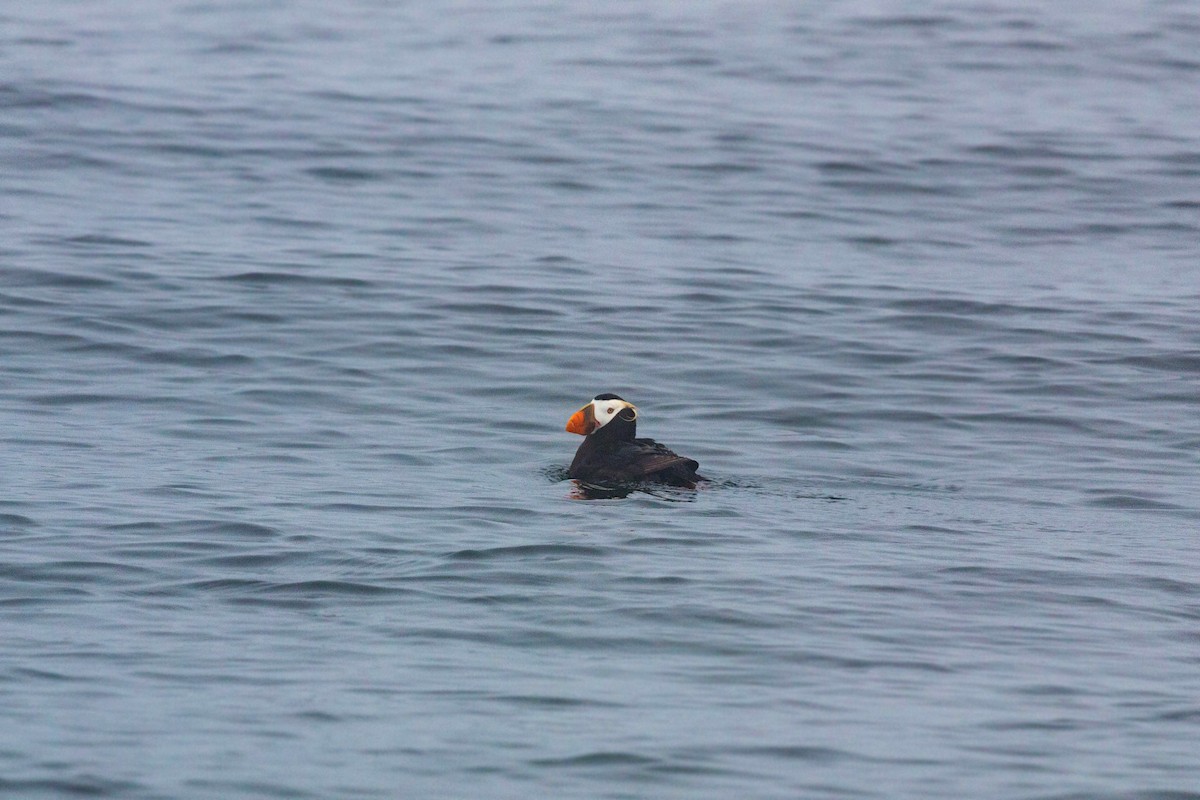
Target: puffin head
column 603, row 409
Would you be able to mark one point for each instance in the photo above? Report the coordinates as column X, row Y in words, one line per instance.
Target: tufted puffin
column 610, row 453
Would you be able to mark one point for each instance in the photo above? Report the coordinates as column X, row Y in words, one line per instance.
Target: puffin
column 611, row 453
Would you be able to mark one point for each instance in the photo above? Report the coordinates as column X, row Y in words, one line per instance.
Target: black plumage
column 612, row 454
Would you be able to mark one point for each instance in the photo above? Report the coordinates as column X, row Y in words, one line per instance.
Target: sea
column 296, row 299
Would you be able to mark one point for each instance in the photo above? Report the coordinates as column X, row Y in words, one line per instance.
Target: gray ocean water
column 296, row 299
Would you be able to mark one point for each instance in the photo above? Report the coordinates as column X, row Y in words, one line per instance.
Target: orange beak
column 582, row 421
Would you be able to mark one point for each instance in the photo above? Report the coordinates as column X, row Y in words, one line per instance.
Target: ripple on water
column 284, row 369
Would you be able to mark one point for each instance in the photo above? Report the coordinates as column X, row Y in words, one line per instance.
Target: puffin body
column 611, row 453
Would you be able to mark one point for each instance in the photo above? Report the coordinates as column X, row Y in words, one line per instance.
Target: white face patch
column 606, row 410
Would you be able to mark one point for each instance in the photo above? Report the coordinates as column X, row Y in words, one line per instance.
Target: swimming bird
column 610, row 453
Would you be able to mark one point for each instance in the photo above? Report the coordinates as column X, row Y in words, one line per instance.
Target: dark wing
column 647, row 458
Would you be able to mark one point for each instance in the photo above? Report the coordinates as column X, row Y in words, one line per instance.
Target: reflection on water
column 672, row 494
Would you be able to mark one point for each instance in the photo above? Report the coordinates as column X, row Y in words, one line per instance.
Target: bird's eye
column 610, row 411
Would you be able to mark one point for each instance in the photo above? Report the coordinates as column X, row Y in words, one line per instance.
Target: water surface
column 295, row 302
